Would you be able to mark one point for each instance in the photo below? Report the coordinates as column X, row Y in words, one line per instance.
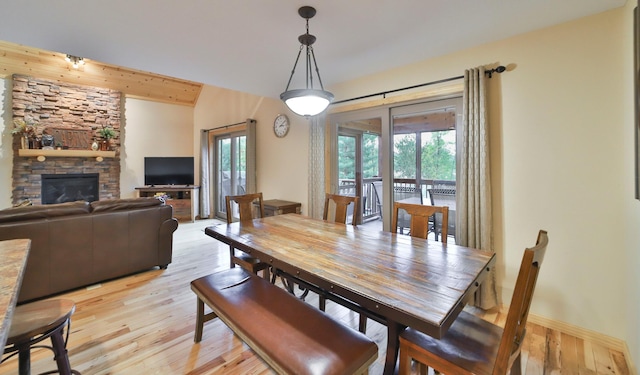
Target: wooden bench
column 288, row 334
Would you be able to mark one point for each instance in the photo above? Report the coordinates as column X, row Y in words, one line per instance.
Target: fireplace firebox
column 60, row 188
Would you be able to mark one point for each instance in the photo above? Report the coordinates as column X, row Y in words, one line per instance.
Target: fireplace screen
column 60, row 188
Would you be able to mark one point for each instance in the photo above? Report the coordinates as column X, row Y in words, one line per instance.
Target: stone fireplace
column 61, row 188
column 74, row 115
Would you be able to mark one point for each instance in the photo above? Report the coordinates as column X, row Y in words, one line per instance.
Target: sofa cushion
column 43, row 211
column 124, row 204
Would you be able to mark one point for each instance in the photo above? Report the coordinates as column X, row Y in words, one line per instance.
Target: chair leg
column 404, row 365
column 362, row 327
column 516, row 368
column 231, row 253
column 199, row 321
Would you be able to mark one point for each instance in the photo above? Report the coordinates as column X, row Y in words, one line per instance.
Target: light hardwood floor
column 144, row 324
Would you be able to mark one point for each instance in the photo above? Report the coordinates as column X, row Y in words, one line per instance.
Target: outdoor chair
column 444, row 197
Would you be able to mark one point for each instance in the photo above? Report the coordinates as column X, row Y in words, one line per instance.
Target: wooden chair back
column 245, row 206
column 514, row 328
column 420, row 214
column 342, row 203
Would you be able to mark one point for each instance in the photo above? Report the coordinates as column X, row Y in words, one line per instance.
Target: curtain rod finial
column 499, row 69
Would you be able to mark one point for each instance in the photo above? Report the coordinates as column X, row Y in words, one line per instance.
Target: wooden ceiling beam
column 34, row 62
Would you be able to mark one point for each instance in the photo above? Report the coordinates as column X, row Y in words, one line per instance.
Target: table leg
column 393, row 343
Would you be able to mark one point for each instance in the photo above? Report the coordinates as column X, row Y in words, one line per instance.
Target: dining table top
column 409, row 281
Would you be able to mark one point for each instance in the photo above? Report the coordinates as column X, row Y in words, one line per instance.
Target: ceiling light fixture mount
column 74, row 60
column 308, row 101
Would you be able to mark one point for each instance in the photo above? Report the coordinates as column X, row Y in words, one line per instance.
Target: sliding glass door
column 357, row 162
column 393, row 153
column 230, row 169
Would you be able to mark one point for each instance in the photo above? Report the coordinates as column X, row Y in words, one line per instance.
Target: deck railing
column 371, row 202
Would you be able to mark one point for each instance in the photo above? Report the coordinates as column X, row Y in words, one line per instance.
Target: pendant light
column 308, row 101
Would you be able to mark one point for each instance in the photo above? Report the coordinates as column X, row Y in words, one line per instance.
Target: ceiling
column 251, row 45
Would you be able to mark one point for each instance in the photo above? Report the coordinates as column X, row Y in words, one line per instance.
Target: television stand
column 185, row 199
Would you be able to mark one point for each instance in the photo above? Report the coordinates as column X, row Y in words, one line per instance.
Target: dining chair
column 418, row 227
column 473, row 345
column 407, row 194
column 419, row 221
column 246, row 210
column 342, row 203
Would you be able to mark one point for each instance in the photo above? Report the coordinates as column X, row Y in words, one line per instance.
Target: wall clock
column 281, row 126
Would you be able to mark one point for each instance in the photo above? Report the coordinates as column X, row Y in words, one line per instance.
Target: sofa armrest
column 165, row 241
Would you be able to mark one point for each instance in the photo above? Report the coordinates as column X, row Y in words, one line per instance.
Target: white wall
column 561, row 161
column 152, row 129
column 281, row 162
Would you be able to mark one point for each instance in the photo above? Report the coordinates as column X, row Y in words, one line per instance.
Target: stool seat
column 36, row 321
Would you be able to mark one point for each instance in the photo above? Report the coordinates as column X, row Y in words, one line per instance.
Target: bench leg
column 199, row 321
column 202, row 318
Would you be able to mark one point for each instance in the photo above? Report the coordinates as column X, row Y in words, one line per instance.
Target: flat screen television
column 168, row 170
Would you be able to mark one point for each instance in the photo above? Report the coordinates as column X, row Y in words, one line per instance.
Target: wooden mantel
column 41, row 154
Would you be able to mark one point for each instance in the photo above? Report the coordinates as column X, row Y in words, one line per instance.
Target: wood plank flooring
column 144, row 324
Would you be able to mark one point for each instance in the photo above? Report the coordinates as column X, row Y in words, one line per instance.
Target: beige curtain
column 252, row 185
column 316, row 166
column 205, row 188
column 473, row 216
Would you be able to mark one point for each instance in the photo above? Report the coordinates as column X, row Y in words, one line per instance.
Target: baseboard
column 585, row 334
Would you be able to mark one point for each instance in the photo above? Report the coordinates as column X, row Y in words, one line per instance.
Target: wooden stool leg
column 60, row 352
column 24, row 360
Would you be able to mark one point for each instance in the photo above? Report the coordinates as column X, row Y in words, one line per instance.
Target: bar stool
column 34, row 322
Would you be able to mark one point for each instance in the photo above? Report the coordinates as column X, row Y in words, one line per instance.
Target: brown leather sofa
column 77, row 244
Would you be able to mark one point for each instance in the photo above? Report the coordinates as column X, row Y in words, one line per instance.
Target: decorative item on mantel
column 26, row 130
column 106, row 133
column 47, row 142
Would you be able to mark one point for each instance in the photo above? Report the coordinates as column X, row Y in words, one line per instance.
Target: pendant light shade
column 308, row 101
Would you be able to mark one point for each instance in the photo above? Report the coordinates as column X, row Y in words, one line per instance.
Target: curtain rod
column 489, row 73
column 224, row 127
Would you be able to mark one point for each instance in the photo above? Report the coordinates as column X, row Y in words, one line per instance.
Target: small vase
column 24, row 142
column 105, row 145
column 94, row 146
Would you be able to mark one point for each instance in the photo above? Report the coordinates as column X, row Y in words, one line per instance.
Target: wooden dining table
column 397, row 280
